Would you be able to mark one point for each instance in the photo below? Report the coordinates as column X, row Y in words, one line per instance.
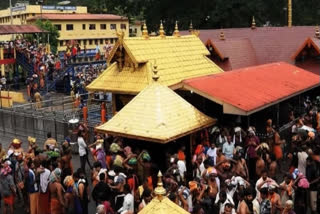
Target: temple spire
column 155, row 75
column 161, row 31
column 253, row 24
column 176, row 32
column 145, row 31
column 159, row 190
column 222, row 37
column 317, row 33
column 190, row 27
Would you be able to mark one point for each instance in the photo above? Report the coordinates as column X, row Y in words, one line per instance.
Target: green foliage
column 203, row 13
column 52, row 32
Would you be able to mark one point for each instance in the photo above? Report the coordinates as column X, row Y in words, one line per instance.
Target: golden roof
column 156, row 114
column 164, row 206
column 178, row 58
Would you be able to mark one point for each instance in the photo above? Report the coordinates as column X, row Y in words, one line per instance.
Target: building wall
column 86, row 36
column 135, row 30
column 21, row 13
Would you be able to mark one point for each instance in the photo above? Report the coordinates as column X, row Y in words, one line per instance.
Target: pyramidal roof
column 164, row 206
column 156, row 114
column 131, row 60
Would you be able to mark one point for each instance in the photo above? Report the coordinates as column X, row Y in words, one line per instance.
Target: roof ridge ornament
column 155, row 75
column 159, row 190
column 176, row 32
column 317, row 33
column 253, row 24
column 222, row 36
column 145, row 31
column 161, row 31
column 191, row 27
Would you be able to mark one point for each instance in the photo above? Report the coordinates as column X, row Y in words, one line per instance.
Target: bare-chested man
column 240, row 167
column 275, row 200
column 246, row 206
column 260, row 166
column 56, row 189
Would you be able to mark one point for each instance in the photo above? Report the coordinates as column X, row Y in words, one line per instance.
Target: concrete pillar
column 1, row 58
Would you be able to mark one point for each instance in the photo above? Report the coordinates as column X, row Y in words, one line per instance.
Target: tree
column 53, row 34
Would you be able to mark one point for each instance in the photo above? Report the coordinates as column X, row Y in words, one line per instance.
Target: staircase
column 22, row 60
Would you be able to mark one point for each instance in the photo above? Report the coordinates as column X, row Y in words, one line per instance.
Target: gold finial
column 317, row 34
column 191, row 27
column 120, row 35
column 161, row 31
column 155, row 75
column 289, row 13
column 176, row 32
column 159, row 190
column 253, row 25
column 222, row 37
column 145, row 31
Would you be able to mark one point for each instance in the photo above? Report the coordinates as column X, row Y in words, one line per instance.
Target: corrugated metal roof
column 156, row 114
column 177, row 58
column 79, row 16
column 18, row 29
column 254, row 88
column 270, row 44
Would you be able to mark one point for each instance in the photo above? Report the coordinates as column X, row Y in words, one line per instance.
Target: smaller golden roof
column 161, row 204
column 156, row 114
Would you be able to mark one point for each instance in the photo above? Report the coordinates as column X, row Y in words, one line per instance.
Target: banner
column 49, row 7
column 19, row 8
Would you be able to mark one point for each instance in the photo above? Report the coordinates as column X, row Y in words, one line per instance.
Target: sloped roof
column 164, row 206
column 270, row 44
column 78, row 16
column 248, row 90
column 156, row 114
column 314, row 42
column 178, row 58
column 234, row 53
column 18, row 29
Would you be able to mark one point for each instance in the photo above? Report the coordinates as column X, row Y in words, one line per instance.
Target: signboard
column 49, row 7
column 19, row 8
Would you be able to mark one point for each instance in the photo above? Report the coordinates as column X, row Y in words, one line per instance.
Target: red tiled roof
column 270, row 44
column 79, row 16
column 235, row 53
column 18, row 29
column 251, row 89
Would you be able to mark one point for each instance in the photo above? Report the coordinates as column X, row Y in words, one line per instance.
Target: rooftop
column 79, row 17
column 18, row 29
column 248, row 90
column 156, row 114
column 132, row 58
column 268, row 44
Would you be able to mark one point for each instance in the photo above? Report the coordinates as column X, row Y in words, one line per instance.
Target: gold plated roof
column 178, row 58
column 156, row 114
column 164, row 206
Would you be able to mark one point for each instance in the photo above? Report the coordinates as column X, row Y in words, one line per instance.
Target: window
column 33, row 14
column 135, row 30
column 101, row 41
column 90, row 42
column 92, row 26
column 58, row 27
column 69, row 26
column 61, row 43
column 123, row 26
column 113, row 26
column 84, row 42
column 96, row 41
column 111, row 41
column 83, row 26
column 103, row 26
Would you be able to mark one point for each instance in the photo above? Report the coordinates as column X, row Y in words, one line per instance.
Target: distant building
column 135, row 29
column 73, row 23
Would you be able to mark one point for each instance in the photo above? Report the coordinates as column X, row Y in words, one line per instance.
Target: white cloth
column 44, row 180
column 227, row 149
column 302, row 162
column 229, row 200
column 212, row 153
column 82, row 146
column 256, row 206
column 267, row 184
column 128, row 204
column 182, row 168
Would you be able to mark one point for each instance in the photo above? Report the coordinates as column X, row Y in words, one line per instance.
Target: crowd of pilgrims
column 231, row 170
